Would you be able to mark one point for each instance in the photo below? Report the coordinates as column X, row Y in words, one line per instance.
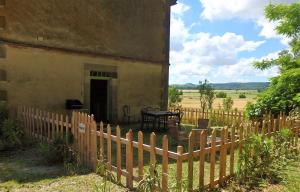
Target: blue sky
column 218, row 40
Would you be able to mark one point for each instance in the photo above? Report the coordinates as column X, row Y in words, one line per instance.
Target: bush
column 262, row 158
column 221, row 94
column 227, row 103
column 242, row 96
column 3, row 115
column 58, row 152
column 11, row 134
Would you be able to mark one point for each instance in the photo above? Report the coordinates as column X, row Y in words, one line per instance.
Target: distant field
column 191, row 98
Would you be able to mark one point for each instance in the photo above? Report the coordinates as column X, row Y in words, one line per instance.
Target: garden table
column 156, row 118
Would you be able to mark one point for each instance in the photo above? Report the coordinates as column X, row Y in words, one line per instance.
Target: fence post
column 94, row 158
column 165, row 161
column 140, row 155
column 190, row 161
column 212, row 158
column 109, row 147
column 222, row 168
column 179, row 167
column 119, row 154
column 152, row 149
column 232, row 145
column 203, row 142
column 101, row 142
column 129, row 160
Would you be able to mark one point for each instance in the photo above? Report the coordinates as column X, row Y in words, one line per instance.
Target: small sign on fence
column 81, row 128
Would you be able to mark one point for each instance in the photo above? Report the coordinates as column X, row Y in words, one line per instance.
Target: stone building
column 104, row 53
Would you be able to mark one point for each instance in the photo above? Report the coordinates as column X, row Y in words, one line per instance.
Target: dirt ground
column 191, row 98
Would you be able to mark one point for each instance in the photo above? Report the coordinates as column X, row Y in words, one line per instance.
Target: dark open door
column 98, row 99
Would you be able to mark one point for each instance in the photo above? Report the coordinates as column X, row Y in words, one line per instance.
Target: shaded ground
column 24, row 171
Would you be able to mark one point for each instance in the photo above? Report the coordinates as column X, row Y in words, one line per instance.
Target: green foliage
column 283, row 92
column 242, row 96
column 175, row 96
column 257, row 161
column 221, row 94
column 58, row 151
column 108, row 177
column 207, row 95
column 12, row 134
column 262, row 158
column 151, row 181
column 227, row 103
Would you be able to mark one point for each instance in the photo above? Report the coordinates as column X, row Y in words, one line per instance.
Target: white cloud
column 179, row 8
column 244, row 9
column 202, row 53
column 198, row 56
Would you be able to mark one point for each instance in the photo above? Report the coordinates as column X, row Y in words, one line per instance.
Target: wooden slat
column 165, row 161
column 140, row 155
column 221, row 167
column 190, row 161
column 129, row 160
column 232, row 145
column 93, row 145
column 101, row 142
column 212, row 158
column 119, row 154
column 203, row 137
column 179, row 168
column 152, row 149
column 109, row 146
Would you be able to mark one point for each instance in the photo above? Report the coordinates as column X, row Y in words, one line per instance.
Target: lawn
column 24, row 170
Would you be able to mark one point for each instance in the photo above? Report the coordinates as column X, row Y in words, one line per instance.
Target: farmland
column 191, row 98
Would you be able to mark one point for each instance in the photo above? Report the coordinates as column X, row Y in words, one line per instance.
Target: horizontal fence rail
column 211, row 158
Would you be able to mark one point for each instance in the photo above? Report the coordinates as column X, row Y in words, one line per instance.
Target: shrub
column 151, row 181
column 12, row 134
column 59, row 152
column 221, row 94
column 257, row 161
column 3, row 115
column 262, row 158
column 227, row 103
column 108, row 177
column 242, row 96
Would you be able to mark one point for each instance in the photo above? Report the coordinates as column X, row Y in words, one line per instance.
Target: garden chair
column 175, row 132
column 203, row 123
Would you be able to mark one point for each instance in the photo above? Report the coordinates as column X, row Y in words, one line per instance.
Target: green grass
column 291, row 179
column 25, row 171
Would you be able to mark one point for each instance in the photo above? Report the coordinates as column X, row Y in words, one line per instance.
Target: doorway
column 99, row 99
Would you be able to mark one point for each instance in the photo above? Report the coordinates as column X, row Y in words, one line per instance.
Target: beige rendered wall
column 46, row 78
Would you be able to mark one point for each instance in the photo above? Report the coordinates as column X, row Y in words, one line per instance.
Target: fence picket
column 203, row 142
column 129, row 160
column 140, row 155
column 165, row 161
column 232, row 146
column 179, row 168
column 212, row 158
column 109, row 147
column 119, row 154
column 191, row 162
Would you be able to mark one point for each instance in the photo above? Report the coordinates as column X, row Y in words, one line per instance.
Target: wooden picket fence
column 94, row 145
column 217, row 117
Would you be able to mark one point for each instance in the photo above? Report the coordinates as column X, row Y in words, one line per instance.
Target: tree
column 283, row 91
column 174, row 96
column 207, row 95
column 227, row 103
